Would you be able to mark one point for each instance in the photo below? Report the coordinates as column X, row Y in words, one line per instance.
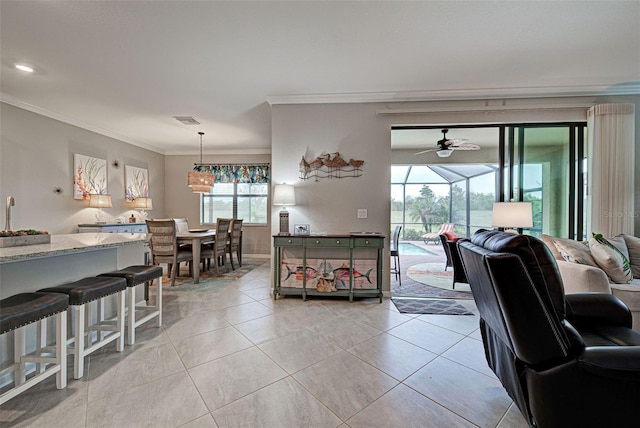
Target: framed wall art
column 89, row 176
column 136, row 182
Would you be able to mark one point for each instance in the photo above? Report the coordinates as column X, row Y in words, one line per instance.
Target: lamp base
column 284, row 222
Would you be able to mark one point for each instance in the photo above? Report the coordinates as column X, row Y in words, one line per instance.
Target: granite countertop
column 71, row 243
column 112, row 224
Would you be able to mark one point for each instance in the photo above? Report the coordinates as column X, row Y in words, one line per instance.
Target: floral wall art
column 136, row 182
column 89, row 176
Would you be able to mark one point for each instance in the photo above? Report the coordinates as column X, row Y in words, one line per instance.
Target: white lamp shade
column 284, row 194
column 143, row 203
column 99, row 201
column 444, row 153
column 512, row 214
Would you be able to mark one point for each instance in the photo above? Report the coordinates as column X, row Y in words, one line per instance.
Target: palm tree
column 426, row 209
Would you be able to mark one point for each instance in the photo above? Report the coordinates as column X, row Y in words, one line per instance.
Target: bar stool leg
column 159, row 302
column 131, row 315
column 78, row 346
column 19, row 349
column 61, row 349
column 41, row 342
column 120, row 311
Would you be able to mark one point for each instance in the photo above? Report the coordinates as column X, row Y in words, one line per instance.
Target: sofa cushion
column 574, row 251
column 633, row 248
column 610, row 260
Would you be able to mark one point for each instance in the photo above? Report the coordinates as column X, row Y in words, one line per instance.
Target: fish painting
column 298, row 272
column 342, row 275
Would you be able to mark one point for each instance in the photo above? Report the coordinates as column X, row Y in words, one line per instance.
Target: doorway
column 538, row 163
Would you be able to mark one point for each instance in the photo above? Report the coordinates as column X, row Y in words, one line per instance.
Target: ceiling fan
column 446, row 146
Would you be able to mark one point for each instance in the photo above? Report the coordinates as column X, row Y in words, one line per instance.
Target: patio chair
column 433, row 237
column 395, row 253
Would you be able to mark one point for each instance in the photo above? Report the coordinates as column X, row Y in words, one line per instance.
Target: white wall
column 36, row 156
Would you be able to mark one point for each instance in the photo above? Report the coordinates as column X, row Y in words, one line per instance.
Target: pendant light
column 200, row 181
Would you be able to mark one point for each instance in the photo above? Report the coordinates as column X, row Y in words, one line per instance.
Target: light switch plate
column 362, row 213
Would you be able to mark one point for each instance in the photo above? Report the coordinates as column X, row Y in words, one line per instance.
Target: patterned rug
column 434, row 274
column 412, row 288
column 428, row 306
column 209, row 280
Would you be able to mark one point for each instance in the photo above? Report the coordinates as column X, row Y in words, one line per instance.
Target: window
column 247, row 201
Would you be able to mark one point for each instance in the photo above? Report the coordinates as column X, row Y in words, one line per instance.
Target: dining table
column 196, row 237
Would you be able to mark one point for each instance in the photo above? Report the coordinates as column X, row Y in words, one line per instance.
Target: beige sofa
column 580, row 278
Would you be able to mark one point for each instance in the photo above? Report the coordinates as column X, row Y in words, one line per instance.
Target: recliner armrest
column 586, row 310
column 620, row 362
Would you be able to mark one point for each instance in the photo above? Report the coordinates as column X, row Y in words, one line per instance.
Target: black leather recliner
column 566, row 360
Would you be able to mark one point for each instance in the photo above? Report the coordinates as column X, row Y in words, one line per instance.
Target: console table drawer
column 327, row 242
column 368, row 242
column 288, row 241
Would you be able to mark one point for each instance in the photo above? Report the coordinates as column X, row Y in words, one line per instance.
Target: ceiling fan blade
column 424, row 151
column 466, row 146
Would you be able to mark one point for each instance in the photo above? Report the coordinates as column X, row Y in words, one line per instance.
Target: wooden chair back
column 235, row 230
column 163, row 237
column 222, row 235
column 182, row 224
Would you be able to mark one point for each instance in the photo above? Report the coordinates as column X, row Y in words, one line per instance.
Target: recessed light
column 24, row 68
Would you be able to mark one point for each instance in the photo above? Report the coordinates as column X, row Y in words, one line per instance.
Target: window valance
column 237, row 173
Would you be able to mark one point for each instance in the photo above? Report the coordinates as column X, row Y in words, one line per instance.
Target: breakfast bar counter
column 67, row 258
column 69, row 244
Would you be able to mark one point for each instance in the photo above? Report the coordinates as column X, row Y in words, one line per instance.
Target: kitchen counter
column 67, row 258
column 69, row 244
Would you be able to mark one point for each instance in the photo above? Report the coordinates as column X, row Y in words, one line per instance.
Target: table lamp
column 512, row 215
column 99, row 201
column 284, row 194
column 143, row 204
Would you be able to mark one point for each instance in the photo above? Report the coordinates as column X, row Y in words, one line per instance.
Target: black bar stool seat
column 16, row 313
column 88, row 289
column 25, row 308
column 137, row 275
column 81, row 294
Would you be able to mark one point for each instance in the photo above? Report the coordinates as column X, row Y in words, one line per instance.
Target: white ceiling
column 125, row 68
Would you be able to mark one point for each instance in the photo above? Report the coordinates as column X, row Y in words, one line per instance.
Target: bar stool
column 16, row 312
column 139, row 275
column 81, row 293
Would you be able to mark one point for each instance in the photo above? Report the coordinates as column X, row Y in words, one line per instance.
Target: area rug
column 429, row 306
column 209, row 280
column 433, row 274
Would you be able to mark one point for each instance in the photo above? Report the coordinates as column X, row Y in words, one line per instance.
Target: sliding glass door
column 543, row 164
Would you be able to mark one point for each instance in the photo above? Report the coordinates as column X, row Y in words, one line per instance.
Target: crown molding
column 8, row 99
column 214, row 152
column 458, row 94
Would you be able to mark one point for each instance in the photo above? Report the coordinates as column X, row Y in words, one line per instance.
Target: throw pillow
column 610, row 260
column 574, row 251
column 549, row 240
column 633, row 247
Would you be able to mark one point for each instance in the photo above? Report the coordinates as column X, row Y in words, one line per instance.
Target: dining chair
column 182, row 226
column 235, row 231
column 164, row 246
column 220, row 244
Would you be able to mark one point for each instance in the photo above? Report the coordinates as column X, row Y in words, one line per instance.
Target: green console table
column 329, row 265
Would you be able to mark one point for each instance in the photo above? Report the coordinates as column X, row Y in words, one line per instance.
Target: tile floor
column 236, row 358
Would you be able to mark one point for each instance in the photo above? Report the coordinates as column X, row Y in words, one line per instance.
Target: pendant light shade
column 200, row 181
